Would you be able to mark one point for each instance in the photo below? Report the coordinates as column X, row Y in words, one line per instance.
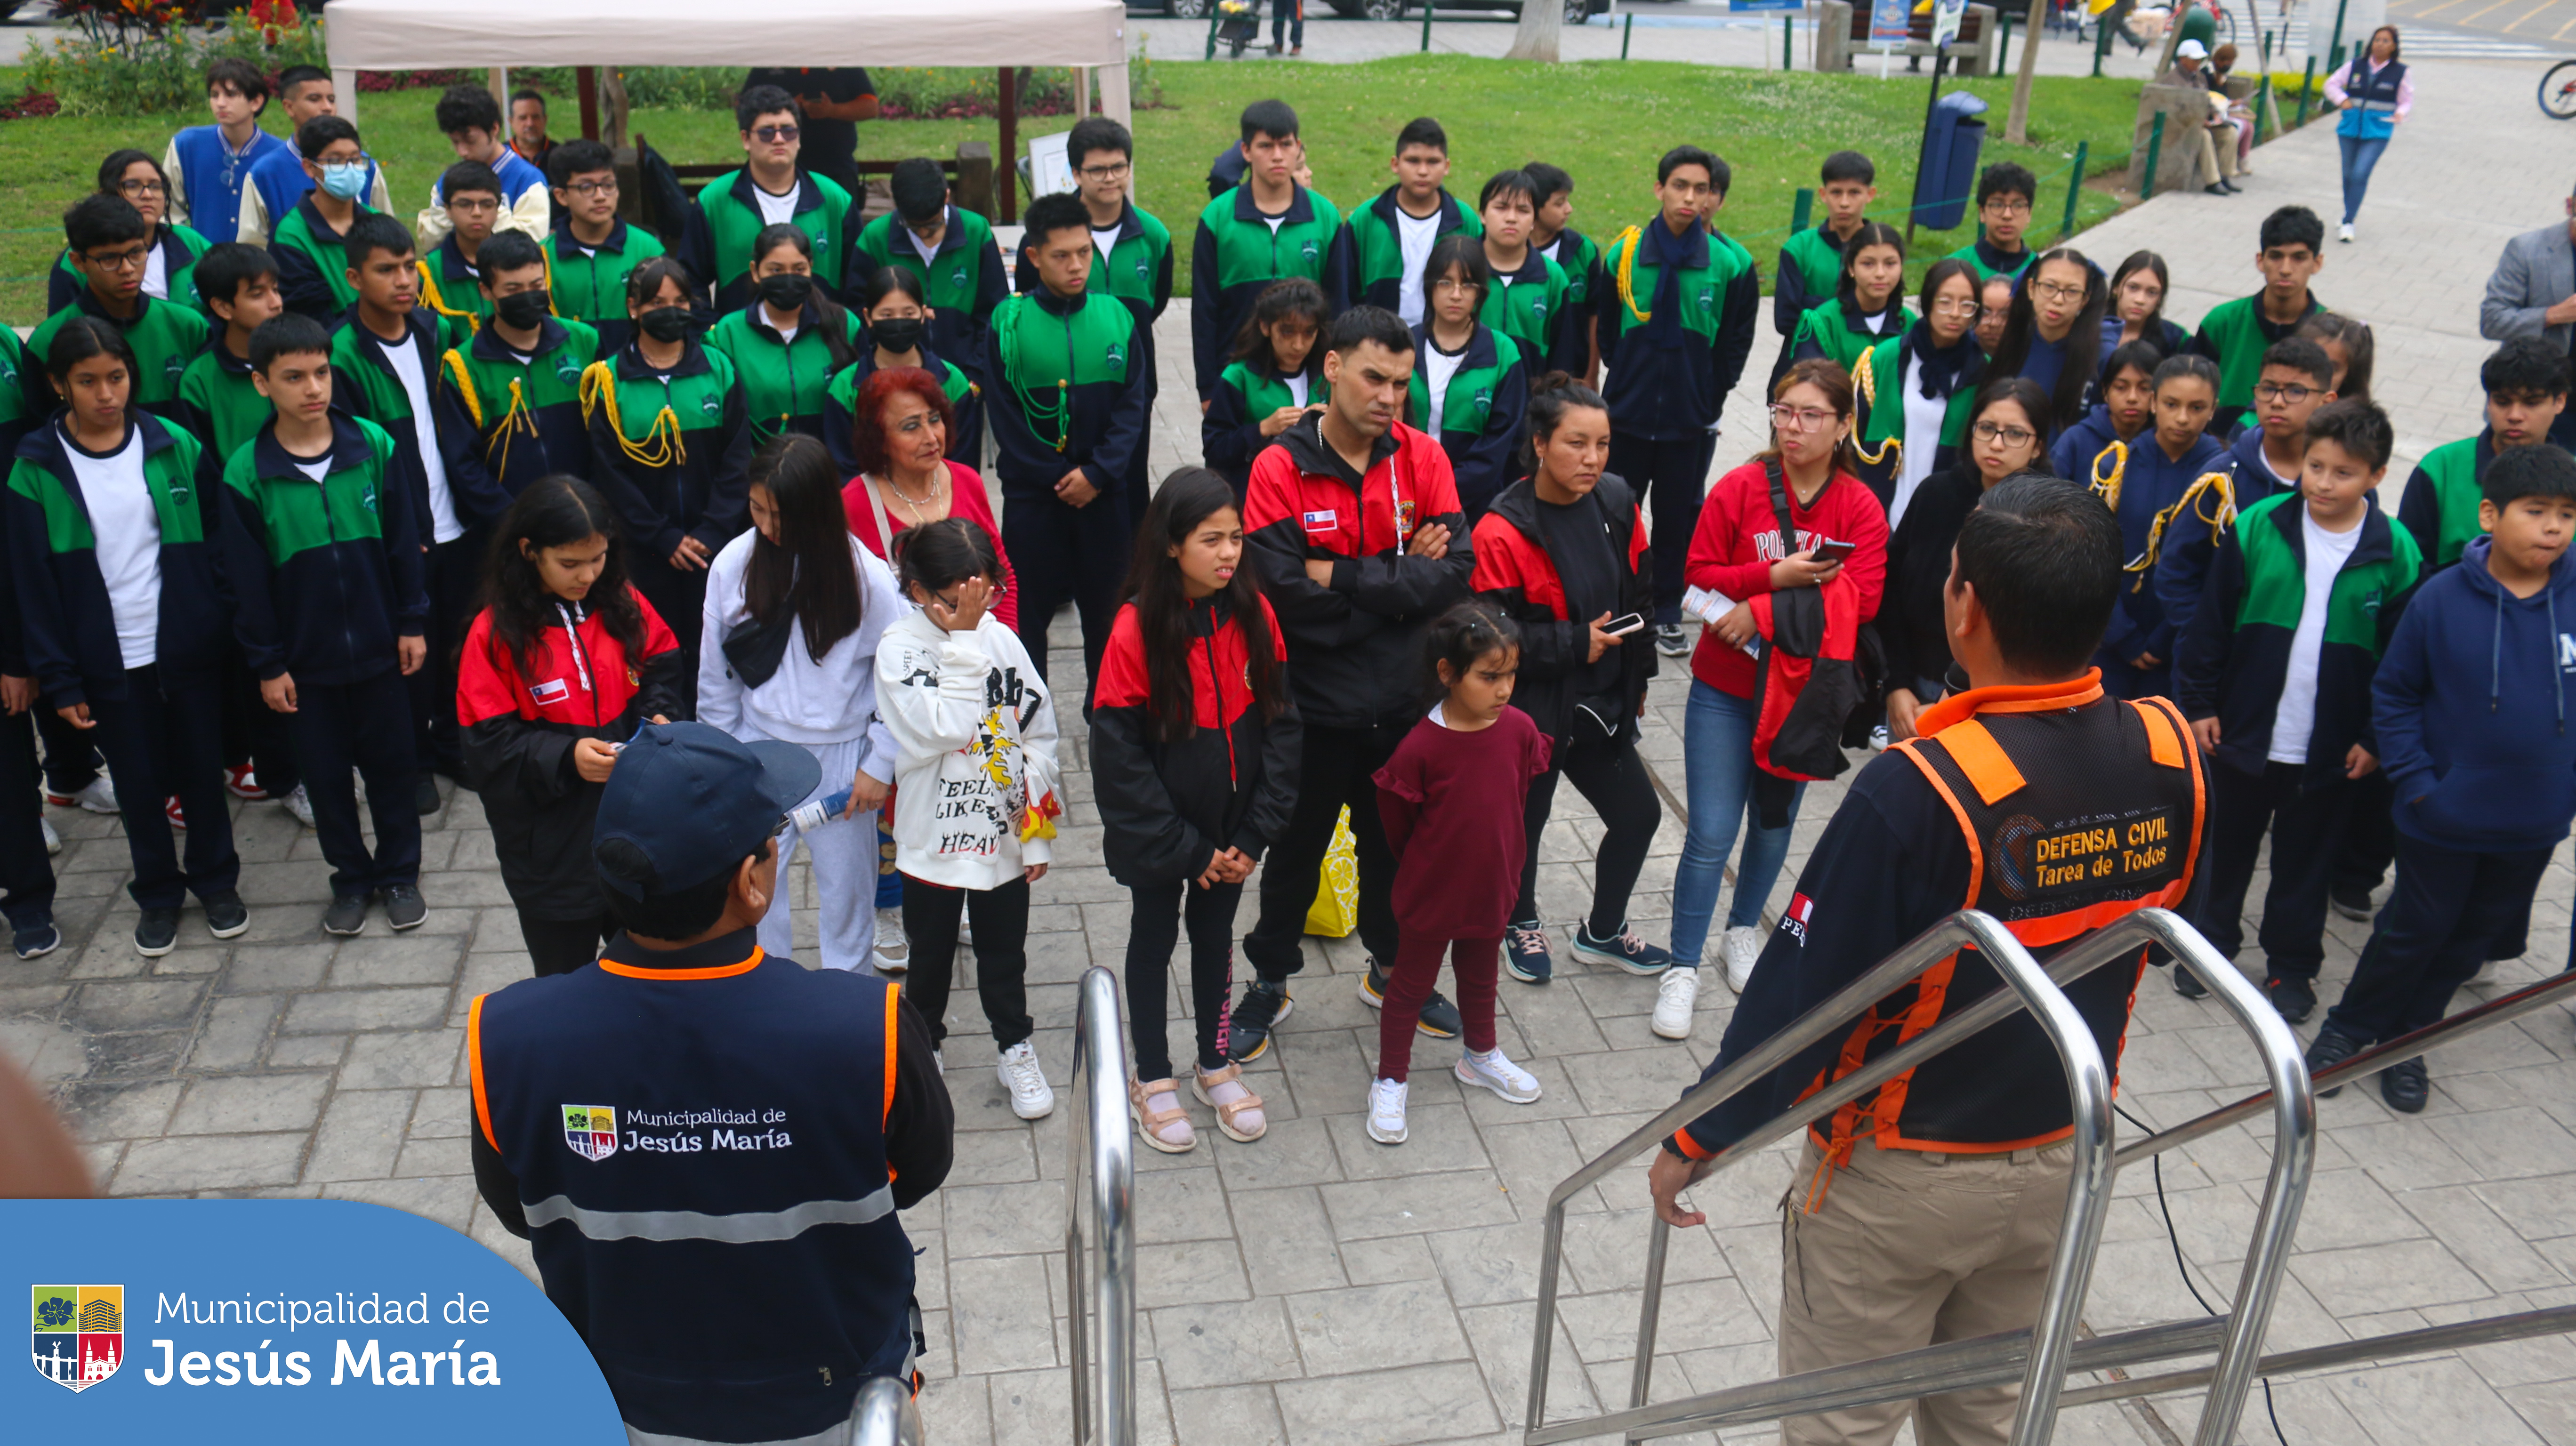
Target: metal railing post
column 886, row 1415
column 1627, row 32
column 2075, row 188
column 1100, row 1172
column 2155, row 152
column 2307, row 83
column 1426, row 26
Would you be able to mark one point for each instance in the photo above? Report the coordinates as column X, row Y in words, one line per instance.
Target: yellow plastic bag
column 1336, row 910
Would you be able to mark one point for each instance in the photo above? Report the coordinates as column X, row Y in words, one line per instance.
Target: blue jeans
column 1717, row 760
column 2359, row 158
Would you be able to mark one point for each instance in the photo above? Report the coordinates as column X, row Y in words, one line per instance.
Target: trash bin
column 1947, row 170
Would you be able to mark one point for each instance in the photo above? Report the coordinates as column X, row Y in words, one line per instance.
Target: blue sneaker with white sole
column 1621, row 951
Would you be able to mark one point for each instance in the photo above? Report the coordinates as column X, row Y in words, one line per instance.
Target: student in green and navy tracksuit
column 1267, row 229
column 2005, row 194
column 2235, row 333
column 1811, row 261
column 789, row 341
column 320, row 551
column 1674, row 330
column 2526, row 385
column 895, row 325
column 306, row 242
column 109, row 242
column 1470, row 384
column 734, row 208
column 1070, row 405
column 219, row 404
column 1386, row 241
column 450, row 284
column 1132, row 258
column 1867, row 305
column 670, row 445
column 592, row 250
column 135, row 178
column 2275, row 674
column 1914, row 390
column 1527, row 300
column 948, row 249
column 1553, row 236
column 1275, row 380
column 510, row 396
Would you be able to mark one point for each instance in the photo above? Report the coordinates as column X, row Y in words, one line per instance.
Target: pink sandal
column 1238, row 1113
column 1165, row 1130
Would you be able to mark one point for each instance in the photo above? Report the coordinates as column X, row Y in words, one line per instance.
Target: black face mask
column 666, row 323
column 898, row 334
column 786, row 291
column 522, row 310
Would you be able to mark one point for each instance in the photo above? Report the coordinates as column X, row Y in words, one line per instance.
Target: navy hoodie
column 2182, row 568
column 2151, row 483
column 2471, row 704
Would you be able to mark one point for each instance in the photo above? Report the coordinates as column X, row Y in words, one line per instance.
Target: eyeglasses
column 1117, row 172
column 1447, row 284
column 593, row 188
column 2009, row 436
column 1953, row 306
column 118, row 260
column 1801, row 419
column 2052, row 291
column 474, row 206
column 770, row 135
column 2289, row 392
column 2007, row 205
column 141, row 188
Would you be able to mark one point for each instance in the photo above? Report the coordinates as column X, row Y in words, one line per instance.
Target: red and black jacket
column 1166, row 808
column 1517, row 570
column 518, row 738
column 1358, row 639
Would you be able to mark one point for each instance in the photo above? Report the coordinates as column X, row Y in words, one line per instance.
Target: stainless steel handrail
column 886, row 1415
column 2521, row 1325
column 2087, row 1201
column 1100, row 1171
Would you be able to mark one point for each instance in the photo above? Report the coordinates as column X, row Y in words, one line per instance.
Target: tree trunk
column 1535, row 38
column 2017, row 125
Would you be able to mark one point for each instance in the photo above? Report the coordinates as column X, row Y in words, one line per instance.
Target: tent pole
column 1081, row 93
column 497, row 80
column 1005, row 165
column 587, row 78
column 345, row 83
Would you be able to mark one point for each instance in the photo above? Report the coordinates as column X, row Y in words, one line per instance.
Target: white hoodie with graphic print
column 975, row 738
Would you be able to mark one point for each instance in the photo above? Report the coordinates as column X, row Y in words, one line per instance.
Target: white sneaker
column 1386, row 1111
column 893, row 951
column 965, row 931
column 1878, row 739
column 1498, row 1074
column 299, row 806
column 1676, row 995
column 938, row 1062
column 1743, row 947
column 1031, row 1099
column 53, row 840
column 98, row 795
column 2346, row 233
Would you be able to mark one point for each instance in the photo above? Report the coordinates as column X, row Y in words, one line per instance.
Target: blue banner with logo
column 1889, row 21
column 283, row 1321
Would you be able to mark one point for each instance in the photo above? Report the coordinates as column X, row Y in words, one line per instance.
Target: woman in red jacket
column 1736, row 555
column 565, row 662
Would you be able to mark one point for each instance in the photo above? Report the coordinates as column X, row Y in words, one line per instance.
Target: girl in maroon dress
column 1452, row 797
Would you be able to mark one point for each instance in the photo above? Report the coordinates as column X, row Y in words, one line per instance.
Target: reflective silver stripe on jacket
column 747, row 1228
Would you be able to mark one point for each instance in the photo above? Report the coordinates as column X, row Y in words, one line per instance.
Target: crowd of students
column 484, row 493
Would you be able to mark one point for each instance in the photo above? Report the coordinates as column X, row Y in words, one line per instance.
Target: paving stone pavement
column 1316, row 1288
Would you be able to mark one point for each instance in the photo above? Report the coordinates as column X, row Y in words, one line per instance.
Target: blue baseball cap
column 688, row 802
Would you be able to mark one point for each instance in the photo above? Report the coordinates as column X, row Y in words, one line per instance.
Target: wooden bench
column 1843, row 38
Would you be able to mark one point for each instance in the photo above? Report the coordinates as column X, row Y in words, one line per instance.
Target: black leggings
column 560, row 946
column 1612, row 778
column 1001, row 954
column 1153, row 932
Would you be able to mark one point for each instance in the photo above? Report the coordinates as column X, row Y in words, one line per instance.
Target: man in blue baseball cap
column 692, row 1135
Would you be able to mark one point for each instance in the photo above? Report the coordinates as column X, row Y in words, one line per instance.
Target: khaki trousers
column 1911, row 1248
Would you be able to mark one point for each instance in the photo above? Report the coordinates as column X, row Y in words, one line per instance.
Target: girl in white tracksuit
column 975, row 780
column 794, row 613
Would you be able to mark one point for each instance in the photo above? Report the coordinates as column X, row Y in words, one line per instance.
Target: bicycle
column 2558, row 91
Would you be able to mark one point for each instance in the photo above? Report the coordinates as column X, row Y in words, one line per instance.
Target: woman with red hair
column 899, row 437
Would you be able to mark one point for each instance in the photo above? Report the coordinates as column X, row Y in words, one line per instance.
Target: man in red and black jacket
column 1353, row 524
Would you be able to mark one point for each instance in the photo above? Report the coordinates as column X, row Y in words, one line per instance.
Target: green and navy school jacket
column 785, row 388
column 725, row 220
column 66, row 621
column 165, row 335
column 326, row 574
column 1665, row 397
column 1070, row 388
column 1991, row 263
column 2235, row 335
column 179, row 247
column 2440, row 506
column 1373, row 249
column 965, row 402
column 1579, row 257
column 2232, row 659
column 1230, row 431
column 451, row 287
column 1878, row 427
column 313, row 263
column 504, row 423
column 1482, row 416
column 517, row 735
column 690, row 1130
column 962, row 283
column 588, row 283
column 219, row 404
column 1357, row 639
column 1811, row 271
column 1237, row 254
column 672, row 453
column 364, row 385
column 1168, row 806
column 1833, row 330
column 1529, row 306
column 17, row 410
column 1520, row 568
column 1137, row 270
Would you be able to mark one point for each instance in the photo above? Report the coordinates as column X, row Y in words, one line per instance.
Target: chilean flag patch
column 1795, row 918
column 1324, row 521
column 551, row 691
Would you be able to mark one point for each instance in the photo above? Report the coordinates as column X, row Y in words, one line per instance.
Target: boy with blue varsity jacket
column 1674, row 331
column 2274, row 673
column 322, row 552
column 1267, row 229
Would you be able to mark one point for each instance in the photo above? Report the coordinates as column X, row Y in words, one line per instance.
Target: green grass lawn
column 1603, row 121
